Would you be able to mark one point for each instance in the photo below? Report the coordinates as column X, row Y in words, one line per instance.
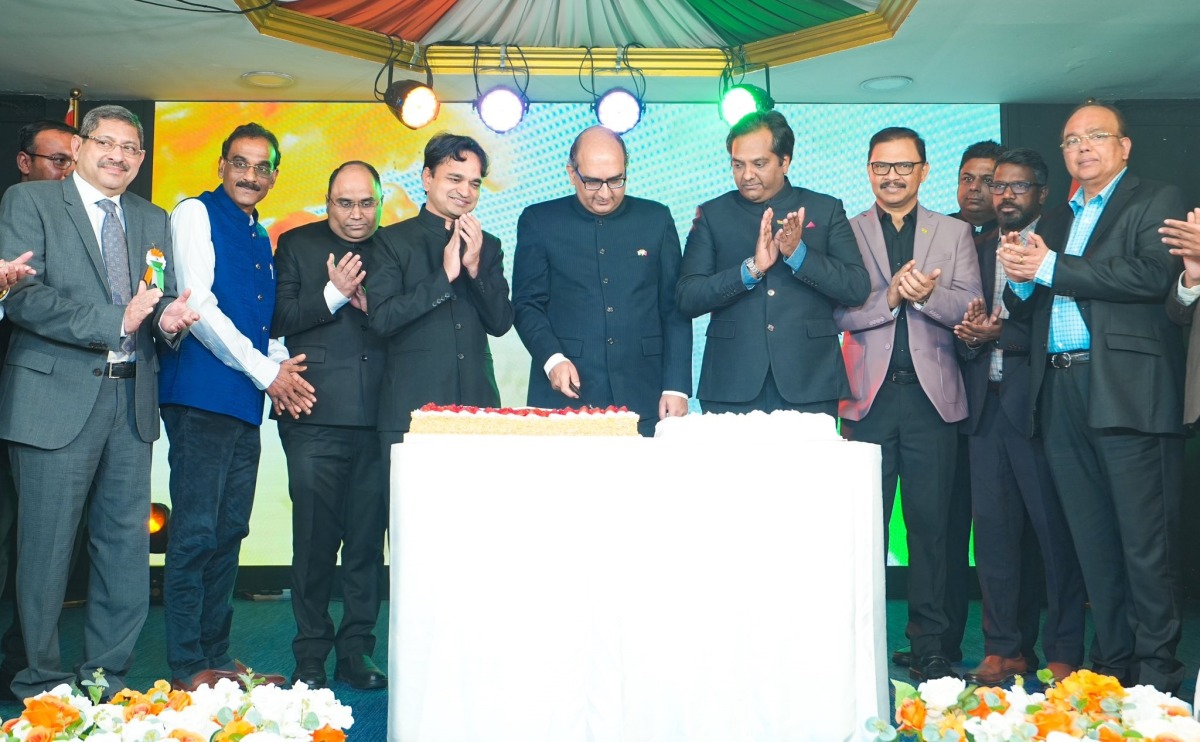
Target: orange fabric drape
column 408, row 19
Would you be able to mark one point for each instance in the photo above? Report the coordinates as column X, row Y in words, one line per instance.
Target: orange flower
column 1051, row 720
column 911, row 715
column 1167, row 738
column 328, row 734
column 1108, row 734
column 39, row 734
column 1087, row 687
column 982, row 711
column 185, row 736
column 50, row 712
column 125, row 696
column 235, row 729
column 953, row 720
column 8, row 725
column 138, row 710
column 178, row 700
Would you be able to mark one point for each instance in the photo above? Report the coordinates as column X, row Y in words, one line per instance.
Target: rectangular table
column 619, row 589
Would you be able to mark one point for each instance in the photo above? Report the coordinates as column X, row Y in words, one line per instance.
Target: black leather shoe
column 931, row 667
column 361, row 672
column 311, row 672
column 902, row 657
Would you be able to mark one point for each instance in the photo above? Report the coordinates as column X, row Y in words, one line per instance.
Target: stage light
column 160, row 527
column 501, row 108
column 619, row 110
column 413, row 103
column 740, row 100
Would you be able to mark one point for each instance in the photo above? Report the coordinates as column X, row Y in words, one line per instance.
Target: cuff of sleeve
column 263, row 374
column 554, row 360
column 681, row 395
column 796, row 259
column 1045, row 271
column 1186, row 296
column 748, row 280
column 1023, row 289
column 334, row 298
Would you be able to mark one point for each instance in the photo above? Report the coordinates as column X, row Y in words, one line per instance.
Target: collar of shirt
column 581, row 211
column 433, row 222
column 89, row 195
column 884, row 216
column 1100, row 199
column 779, row 202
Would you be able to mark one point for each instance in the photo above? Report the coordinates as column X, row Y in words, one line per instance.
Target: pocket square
column 810, row 225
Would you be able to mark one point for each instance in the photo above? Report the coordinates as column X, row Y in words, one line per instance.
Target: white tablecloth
column 621, row 589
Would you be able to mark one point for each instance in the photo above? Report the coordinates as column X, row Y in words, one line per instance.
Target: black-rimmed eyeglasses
column 1018, row 187
column 901, row 168
column 62, row 162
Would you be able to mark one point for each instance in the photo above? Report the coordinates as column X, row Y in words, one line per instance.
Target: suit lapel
column 923, row 238
column 872, row 232
column 134, row 244
column 1112, row 209
column 78, row 213
column 987, row 271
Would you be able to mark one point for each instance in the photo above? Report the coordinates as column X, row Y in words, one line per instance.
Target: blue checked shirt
column 1068, row 331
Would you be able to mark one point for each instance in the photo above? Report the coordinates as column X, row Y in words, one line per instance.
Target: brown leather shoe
column 1061, row 670
column 997, row 670
column 191, row 683
column 239, row 669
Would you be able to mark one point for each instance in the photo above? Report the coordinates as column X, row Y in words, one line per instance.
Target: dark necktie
column 116, row 261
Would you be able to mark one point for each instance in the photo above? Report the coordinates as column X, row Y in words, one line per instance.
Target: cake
column 781, row 425
column 460, row 420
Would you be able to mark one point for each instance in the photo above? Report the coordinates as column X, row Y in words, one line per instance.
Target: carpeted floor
column 262, row 633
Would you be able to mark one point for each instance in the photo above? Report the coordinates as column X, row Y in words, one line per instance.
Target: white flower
column 942, row 693
column 1059, row 737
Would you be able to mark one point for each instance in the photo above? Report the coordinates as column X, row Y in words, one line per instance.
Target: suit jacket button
column 458, row 325
column 364, row 356
column 97, row 372
column 770, row 328
column 608, row 309
column 602, row 251
column 611, row 341
column 260, row 297
column 770, row 292
column 461, row 356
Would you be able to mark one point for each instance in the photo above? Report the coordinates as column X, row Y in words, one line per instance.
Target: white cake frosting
column 779, row 425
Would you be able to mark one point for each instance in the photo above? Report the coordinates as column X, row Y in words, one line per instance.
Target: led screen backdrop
column 677, row 156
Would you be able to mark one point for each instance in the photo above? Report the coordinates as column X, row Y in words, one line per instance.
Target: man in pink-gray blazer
column 906, row 391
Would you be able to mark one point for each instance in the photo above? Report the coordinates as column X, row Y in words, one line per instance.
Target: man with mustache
column 770, row 262
column 906, row 391
column 1106, row 387
column 79, row 398
column 1015, row 506
column 211, row 390
column 436, row 293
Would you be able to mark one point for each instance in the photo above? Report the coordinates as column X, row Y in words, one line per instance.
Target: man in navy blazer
column 770, row 262
column 1106, row 387
column 594, row 293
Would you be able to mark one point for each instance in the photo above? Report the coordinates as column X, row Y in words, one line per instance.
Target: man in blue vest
column 211, row 392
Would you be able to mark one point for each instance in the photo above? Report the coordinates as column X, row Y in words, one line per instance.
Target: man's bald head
column 597, row 169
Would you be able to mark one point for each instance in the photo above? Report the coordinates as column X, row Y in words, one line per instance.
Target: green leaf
column 224, row 716
column 904, row 691
column 1045, row 676
column 311, row 721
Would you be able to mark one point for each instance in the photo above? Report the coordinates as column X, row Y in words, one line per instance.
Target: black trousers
column 1013, row 498
column 958, row 554
column 1121, row 491
column 919, row 448
column 337, row 479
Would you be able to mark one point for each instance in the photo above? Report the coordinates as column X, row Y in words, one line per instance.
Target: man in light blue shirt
column 1106, row 387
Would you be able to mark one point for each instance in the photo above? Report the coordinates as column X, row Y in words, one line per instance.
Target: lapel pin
column 924, row 230
column 156, row 263
column 642, row 253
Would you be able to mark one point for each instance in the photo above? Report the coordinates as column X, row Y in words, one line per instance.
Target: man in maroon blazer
column 906, row 389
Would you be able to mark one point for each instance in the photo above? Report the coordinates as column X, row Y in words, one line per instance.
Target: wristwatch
column 755, row 273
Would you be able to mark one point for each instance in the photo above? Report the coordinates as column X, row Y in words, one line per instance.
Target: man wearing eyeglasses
column 44, row 150
column 437, row 291
column 906, row 388
column 1015, row 506
column 212, row 391
column 594, row 290
column 336, row 476
column 1106, row 388
column 769, row 262
column 78, row 396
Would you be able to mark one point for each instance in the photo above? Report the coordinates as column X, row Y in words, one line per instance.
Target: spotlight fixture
column 886, row 84
column 160, row 527
column 502, row 107
column 414, row 104
column 618, row 109
column 737, row 98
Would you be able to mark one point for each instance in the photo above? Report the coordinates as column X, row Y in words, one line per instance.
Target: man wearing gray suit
column 906, row 391
column 78, row 397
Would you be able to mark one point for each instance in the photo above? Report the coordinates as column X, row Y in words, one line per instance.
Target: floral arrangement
column 1085, row 705
column 224, row 713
